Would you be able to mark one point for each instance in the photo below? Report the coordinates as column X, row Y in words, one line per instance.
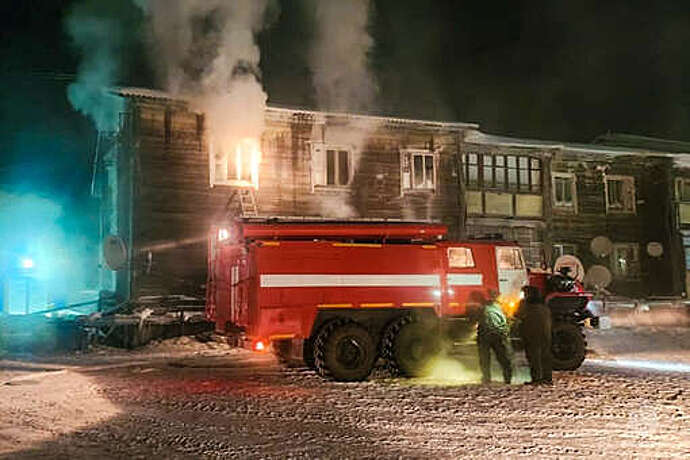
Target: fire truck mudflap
column 341, row 295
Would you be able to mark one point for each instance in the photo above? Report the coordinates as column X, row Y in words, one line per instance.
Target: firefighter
column 492, row 334
column 535, row 330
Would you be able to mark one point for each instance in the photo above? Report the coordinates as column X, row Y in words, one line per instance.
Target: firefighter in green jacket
column 492, row 334
column 535, row 330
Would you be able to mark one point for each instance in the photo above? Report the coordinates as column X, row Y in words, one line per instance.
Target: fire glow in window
column 239, row 166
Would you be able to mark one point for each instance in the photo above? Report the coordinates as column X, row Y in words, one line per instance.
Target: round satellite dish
column 114, row 252
column 655, row 249
column 577, row 271
column 598, row 276
column 601, row 246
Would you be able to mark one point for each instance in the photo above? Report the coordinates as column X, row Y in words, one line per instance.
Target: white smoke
column 206, row 52
column 339, row 62
column 97, row 33
column 339, row 57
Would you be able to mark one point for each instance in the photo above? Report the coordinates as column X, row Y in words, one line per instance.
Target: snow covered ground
column 184, row 399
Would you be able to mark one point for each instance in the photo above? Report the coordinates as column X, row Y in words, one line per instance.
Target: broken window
column 620, row 194
column 460, row 258
column 331, row 166
column 564, row 191
column 625, row 260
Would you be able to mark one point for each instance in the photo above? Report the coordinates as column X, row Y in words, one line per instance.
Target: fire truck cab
column 341, row 294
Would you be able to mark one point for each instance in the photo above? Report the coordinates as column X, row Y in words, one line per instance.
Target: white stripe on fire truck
column 273, row 281
column 465, row 279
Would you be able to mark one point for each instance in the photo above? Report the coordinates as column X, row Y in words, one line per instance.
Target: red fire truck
column 341, row 294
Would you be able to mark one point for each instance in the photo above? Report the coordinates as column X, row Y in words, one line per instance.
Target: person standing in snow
column 535, row 330
column 492, row 334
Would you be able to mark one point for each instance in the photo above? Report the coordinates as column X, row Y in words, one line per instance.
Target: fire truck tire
column 567, row 346
column 308, row 354
column 344, row 351
column 408, row 346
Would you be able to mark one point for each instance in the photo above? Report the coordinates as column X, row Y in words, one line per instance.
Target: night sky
column 567, row 70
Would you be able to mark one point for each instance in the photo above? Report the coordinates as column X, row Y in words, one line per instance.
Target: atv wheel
column 409, row 346
column 344, row 351
column 567, row 347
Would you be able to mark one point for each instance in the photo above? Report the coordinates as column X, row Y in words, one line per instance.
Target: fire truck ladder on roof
column 248, row 202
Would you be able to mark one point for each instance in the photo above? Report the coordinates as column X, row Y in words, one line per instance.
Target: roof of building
column 643, row 142
column 477, row 137
column 610, row 144
column 277, row 112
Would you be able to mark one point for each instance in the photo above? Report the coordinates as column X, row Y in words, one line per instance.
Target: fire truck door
column 512, row 274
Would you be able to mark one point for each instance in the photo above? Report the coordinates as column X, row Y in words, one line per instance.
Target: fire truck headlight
column 27, row 263
column 223, row 234
column 259, row 346
column 451, row 292
column 437, row 293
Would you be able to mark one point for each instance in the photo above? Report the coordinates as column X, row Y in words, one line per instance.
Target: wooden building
column 163, row 182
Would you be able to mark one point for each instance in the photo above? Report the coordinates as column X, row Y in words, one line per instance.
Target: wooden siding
column 173, row 203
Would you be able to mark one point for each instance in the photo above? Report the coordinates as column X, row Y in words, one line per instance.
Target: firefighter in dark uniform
column 535, row 331
column 492, row 334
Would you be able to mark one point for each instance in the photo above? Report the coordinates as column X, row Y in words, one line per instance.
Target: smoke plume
column 339, row 62
column 339, row 58
column 97, row 29
column 206, row 52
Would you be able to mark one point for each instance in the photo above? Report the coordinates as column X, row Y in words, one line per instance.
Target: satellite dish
column 601, row 246
column 598, row 276
column 114, row 252
column 577, row 271
column 655, row 249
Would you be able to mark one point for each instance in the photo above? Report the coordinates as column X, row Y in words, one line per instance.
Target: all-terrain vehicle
column 570, row 309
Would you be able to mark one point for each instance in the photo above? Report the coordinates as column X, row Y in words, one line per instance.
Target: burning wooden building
column 163, row 180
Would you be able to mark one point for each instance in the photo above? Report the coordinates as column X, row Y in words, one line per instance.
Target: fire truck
column 339, row 295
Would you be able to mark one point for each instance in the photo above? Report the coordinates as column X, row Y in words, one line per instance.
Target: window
column 502, row 172
column 418, row 169
column 564, row 191
column 509, row 258
column 682, row 189
column 471, row 170
column 331, row 165
column 620, row 194
column 625, row 260
column 423, row 171
column 237, row 166
column 561, row 249
column 337, row 167
column 460, row 258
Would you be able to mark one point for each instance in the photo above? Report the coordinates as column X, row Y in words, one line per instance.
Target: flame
column 509, row 303
column 249, row 147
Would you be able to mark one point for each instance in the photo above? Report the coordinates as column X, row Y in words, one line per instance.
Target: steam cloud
column 97, row 31
column 339, row 56
column 206, row 52
column 339, row 61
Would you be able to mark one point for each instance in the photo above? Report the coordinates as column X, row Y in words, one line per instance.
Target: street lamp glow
column 27, row 263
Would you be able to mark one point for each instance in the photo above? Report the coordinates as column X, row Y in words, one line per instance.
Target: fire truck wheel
column 344, row 351
column 567, row 346
column 409, row 346
column 308, row 354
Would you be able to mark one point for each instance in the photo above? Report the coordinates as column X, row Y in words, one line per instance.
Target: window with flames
column 238, row 166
